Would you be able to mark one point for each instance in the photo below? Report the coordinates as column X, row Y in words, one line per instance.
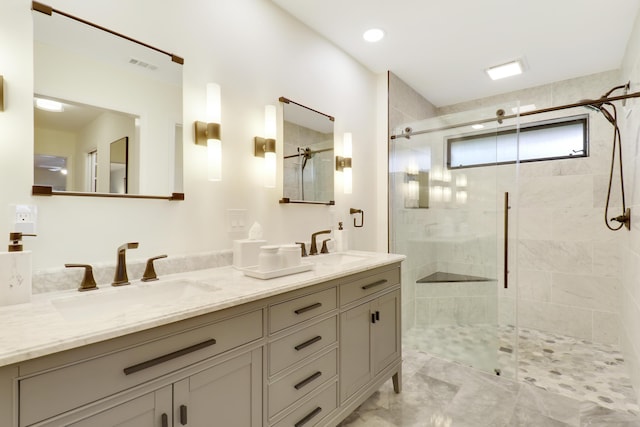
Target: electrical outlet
column 24, row 218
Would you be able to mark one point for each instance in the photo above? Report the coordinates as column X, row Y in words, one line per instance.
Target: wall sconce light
column 343, row 163
column 266, row 147
column 1, row 93
column 208, row 133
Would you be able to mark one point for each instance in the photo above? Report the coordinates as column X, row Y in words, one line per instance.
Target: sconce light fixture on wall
column 266, row 147
column 208, row 133
column 343, row 163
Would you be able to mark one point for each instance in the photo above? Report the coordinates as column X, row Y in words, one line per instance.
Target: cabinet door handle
column 308, row 417
column 165, row 420
column 308, row 343
column 308, row 308
column 377, row 315
column 308, row 380
column 374, row 284
column 183, row 415
column 373, row 318
column 158, row 360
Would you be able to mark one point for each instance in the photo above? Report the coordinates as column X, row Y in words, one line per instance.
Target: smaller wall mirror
column 308, row 154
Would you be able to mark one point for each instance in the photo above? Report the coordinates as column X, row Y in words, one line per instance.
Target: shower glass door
column 449, row 178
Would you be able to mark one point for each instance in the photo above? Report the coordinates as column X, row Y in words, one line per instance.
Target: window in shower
column 564, row 138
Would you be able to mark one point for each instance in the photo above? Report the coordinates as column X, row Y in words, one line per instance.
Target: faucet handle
column 303, row 248
column 149, row 271
column 324, row 249
column 88, row 282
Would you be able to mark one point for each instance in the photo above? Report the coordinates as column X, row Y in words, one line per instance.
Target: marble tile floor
column 440, row 393
column 570, row 367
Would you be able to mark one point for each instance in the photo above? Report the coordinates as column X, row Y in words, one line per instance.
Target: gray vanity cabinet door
column 385, row 331
column 145, row 411
column 355, row 345
column 228, row 394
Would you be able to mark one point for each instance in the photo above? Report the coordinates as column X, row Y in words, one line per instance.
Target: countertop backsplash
column 58, row 279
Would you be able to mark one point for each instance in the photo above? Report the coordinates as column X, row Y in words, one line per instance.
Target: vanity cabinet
column 369, row 331
column 306, row 357
column 161, row 382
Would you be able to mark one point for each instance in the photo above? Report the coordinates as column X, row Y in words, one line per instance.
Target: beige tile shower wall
column 406, row 105
column 629, row 244
column 568, row 263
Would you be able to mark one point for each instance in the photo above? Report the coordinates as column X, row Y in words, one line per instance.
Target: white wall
column 256, row 53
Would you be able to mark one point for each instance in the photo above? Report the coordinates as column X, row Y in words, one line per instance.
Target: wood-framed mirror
column 106, row 87
column 308, row 155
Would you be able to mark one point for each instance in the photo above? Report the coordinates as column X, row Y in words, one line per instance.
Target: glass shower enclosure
column 452, row 209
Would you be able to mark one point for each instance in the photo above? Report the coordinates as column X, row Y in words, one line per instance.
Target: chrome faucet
column 121, row 278
column 314, row 245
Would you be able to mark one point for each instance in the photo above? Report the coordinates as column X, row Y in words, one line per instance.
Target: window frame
column 525, row 127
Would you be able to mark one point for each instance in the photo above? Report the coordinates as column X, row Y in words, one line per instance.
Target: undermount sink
column 339, row 258
column 109, row 302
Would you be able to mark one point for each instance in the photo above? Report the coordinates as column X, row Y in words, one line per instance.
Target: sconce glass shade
column 266, row 147
column 214, row 145
column 347, row 171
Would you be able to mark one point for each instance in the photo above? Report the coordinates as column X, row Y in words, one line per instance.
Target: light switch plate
column 236, row 220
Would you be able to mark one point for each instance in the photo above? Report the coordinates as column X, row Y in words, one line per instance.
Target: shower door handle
column 506, row 240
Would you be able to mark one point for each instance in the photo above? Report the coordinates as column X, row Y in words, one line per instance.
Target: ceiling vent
column 143, row 64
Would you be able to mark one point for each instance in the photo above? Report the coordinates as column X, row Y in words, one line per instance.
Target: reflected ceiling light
column 505, row 70
column 373, row 35
column 49, row 105
column 477, row 127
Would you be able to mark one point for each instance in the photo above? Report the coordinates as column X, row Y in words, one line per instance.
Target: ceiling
column 442, row 48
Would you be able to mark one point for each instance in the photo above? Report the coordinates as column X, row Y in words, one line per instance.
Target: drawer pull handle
column 373, row 318
column 308, row 308
column 374, row 284
column 308, row 380
column 377, row 315
column 158, row 360
column 308, row 343
column 164, row 419
column 308, row 417
column 183, row 415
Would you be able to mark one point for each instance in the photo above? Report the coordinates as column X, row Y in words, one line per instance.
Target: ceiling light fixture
column 509, row 69
column 373, row 35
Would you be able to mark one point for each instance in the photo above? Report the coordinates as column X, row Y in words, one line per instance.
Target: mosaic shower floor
column 571, row 367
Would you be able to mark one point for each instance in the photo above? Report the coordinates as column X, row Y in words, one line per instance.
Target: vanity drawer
column 62, row 389
column 289, row 313
column 301, row 382
column 360, row 288
column 293, row 348
column 315, row 410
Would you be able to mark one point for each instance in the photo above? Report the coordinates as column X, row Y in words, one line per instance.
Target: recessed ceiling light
column 373, row 35
column 49, row 105
column 505, row 70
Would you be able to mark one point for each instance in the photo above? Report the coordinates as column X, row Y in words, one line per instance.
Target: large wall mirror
column 308, row 155
column 107, row 111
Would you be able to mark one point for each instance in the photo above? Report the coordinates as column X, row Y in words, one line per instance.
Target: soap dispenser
column 15, row 272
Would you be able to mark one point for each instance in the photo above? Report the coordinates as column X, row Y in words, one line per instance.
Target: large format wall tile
column 585, row 291
column 555, row 256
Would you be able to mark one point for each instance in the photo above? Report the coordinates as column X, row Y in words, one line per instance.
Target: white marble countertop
column 58, row 321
